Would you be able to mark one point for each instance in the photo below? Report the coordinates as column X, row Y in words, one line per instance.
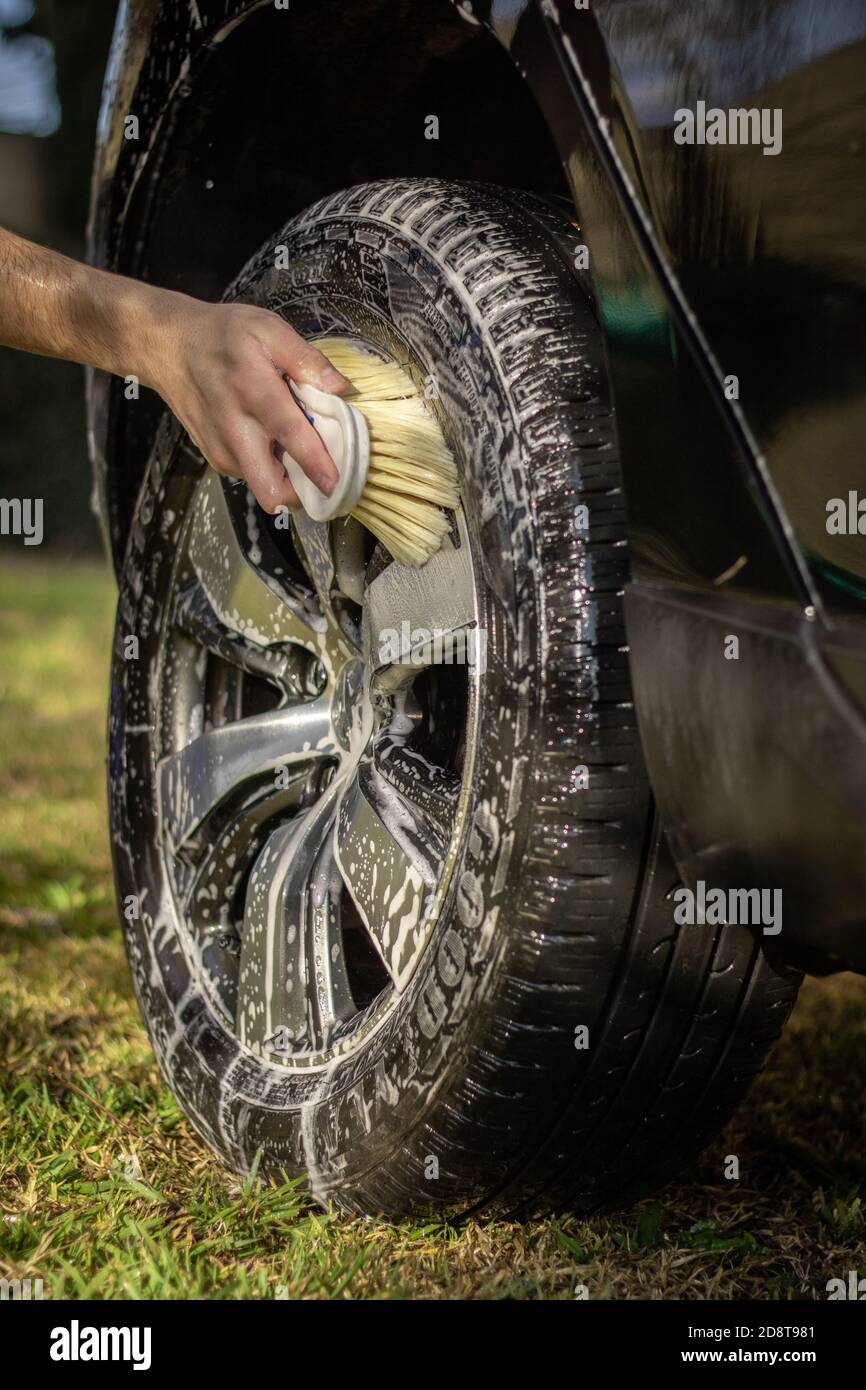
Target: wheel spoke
column 292, row 986
column 198, row 778
column 420, row 617
column 209, row 887
column 317, row 557
column 328, row 981
column 390, row 863
column 237, row 594
column 289, row 669
column 347, row 545
column 434, row 791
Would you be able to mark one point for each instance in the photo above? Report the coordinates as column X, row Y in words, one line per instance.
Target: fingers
column 230, row 393
column 303, row 444
column 303, row 362
column 286, row 422
column 264, row 474
column 248, row 452
column 267, row 479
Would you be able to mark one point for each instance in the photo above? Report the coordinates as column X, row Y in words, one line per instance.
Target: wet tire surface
column 561, row 1042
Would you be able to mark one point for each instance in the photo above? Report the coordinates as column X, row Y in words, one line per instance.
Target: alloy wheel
column 316, row 733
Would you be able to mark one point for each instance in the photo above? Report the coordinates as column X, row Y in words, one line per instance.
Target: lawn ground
column 104, row 1190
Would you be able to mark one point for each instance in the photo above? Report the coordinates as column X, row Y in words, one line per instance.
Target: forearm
column 221, row 368
column 60, row 308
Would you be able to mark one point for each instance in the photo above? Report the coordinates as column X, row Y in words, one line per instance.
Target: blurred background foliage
column 52, row 59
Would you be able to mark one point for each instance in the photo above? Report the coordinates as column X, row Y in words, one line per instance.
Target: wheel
column 404, row 925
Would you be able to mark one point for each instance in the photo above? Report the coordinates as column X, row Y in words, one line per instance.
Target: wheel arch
column 164, row 208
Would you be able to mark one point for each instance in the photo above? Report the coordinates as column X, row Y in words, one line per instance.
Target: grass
column 104, row 1190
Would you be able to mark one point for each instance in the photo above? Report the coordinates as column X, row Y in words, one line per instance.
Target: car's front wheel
column 403, row 923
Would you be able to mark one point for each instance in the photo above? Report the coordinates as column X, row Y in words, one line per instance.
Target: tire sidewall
column 339, row 1123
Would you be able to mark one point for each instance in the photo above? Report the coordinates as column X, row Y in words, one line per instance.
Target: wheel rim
column 315, row 755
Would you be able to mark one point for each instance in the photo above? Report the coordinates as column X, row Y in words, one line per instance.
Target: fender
column 731, row 289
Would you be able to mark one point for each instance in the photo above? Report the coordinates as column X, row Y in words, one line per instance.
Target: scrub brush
column 396, row 471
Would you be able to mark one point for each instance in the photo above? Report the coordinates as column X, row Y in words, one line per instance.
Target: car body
column 730, row 282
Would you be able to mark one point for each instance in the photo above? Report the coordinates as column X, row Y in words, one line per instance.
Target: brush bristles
column 412, row 473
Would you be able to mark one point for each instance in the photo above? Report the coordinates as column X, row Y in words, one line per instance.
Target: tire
column 540, row 1033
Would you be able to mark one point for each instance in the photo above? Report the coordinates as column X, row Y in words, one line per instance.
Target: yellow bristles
column 412, row 474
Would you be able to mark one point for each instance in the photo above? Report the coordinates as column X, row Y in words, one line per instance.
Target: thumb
column 304, row 363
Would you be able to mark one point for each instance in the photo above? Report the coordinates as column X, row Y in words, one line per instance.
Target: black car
column 521, row 929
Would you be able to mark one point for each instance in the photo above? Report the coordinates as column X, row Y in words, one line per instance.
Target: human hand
column 219, row 369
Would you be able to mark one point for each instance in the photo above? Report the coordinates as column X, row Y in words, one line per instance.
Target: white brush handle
column 344, row 433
